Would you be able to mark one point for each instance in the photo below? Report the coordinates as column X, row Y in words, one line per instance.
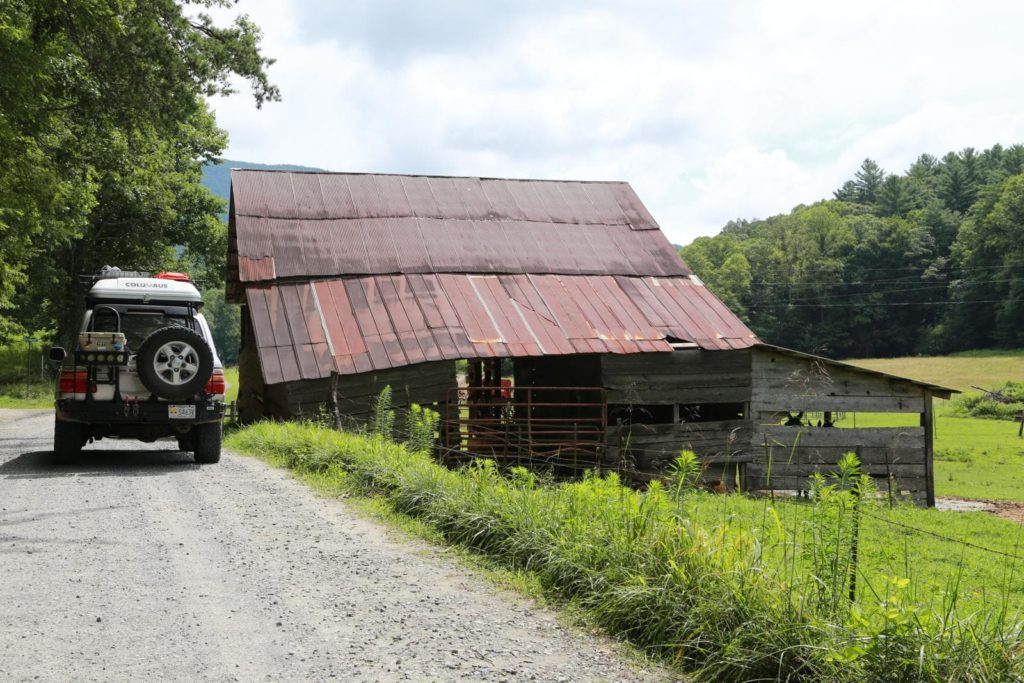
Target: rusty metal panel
column 278, row 320
column 378, row 355
column 417, row 323
column 578, row 208
column 270, row 365
column 399, row 319
column 634, row 210
column 294, row 314
column 381, row 252
column 502, row 204
column 331, row 225
column 382, row 321
column 366, row 196
column 253, row 237
column 471, row 194
column 308, row 197
column 259, row 315
column 394, row 202
column 410, row 246
column 421, row 199
column 362, row 324
column 532, row 206
column 606, row 209
column 256, row 269
column 448, row 199
column 267, row 193
column 337, row 196
column 289, row 365
column 315, row 325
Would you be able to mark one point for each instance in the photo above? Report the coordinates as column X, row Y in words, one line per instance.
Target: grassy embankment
column 732, row 587
column 974, row 457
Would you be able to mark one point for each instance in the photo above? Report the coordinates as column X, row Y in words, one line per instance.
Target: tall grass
column 23, row 381
column 730, row 597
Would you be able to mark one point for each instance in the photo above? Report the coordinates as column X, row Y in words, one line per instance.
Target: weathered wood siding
column 785, row 457
column 652, row 448
column 686, row 376
column 770, row 383
column 425, row 384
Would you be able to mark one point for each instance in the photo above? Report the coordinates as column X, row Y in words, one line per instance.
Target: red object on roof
column 172, row 275
column 351, row 273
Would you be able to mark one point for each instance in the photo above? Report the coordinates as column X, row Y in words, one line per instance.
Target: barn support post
column 335, row 410
column 928, row 422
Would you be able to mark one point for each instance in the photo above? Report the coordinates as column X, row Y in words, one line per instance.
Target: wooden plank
column 681, row 362
column 830, row 437
column 768, row 401
column 779, row 370
column 641, row 395
column 756, row 481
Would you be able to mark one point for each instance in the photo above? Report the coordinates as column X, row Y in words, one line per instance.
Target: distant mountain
column 217, row 177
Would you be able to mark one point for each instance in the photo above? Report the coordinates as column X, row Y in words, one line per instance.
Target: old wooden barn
column 547, row 321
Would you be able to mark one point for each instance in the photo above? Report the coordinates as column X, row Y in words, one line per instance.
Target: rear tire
column 206, row 439
column 174, row 363
column 68, row 439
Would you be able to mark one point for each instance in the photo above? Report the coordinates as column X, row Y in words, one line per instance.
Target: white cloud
column 713, row 112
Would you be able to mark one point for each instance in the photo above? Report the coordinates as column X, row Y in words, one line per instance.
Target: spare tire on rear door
column 174, row 363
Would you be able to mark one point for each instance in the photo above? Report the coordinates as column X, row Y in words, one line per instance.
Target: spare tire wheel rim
column 176, row 363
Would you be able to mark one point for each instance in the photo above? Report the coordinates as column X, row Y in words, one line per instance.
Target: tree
column 895, row 197
column 867, row 181
column 989, row 252
column 103, row 133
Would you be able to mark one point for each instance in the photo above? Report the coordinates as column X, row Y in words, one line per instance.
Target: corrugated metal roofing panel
column 378, row 322
column 337, row 225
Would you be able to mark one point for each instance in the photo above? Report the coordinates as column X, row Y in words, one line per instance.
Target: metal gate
column 558, row 426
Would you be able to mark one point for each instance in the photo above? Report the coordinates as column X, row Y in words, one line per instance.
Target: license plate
column 181, row 412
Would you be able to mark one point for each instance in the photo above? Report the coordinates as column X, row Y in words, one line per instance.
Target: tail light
column 74, row 382
column 216, row 384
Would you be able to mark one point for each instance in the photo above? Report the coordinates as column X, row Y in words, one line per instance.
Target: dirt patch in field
column 1000, row 508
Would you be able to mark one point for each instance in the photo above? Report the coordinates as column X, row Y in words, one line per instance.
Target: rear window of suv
column 137, row 325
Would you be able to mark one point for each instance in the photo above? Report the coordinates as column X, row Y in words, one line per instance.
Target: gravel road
column 138, row 564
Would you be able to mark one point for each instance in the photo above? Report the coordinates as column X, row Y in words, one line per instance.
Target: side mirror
column 57, row 354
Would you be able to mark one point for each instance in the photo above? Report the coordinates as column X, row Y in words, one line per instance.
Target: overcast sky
column 712, row 110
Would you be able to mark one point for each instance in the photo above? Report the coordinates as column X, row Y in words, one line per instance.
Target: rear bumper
column 148, row 413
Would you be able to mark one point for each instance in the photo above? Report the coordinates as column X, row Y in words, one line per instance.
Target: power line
column 842, row 283
column 922, row 288
column 891, row 303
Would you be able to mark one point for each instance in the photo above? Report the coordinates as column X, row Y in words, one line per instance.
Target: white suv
column 144, row 367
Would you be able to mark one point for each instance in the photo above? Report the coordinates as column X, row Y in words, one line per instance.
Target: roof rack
column 109, row 273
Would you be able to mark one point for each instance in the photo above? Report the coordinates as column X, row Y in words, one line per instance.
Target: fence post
column 856, row 531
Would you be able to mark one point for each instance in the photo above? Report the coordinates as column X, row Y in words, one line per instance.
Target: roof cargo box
column 144, row 290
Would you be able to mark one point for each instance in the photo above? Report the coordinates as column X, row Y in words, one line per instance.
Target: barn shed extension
column 547, row 321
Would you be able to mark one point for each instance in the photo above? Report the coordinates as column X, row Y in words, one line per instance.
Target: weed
column 383, row 414
column 724, row 586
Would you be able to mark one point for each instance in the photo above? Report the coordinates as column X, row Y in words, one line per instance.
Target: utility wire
column 891, row 303
column 883, row 281
column 923, row 288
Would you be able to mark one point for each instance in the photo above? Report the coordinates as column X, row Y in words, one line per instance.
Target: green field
column 956, row 371
column 974, row 458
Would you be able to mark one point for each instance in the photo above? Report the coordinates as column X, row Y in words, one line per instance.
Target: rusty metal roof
column 350, row 273
column 307, row 330
column 287, row 224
